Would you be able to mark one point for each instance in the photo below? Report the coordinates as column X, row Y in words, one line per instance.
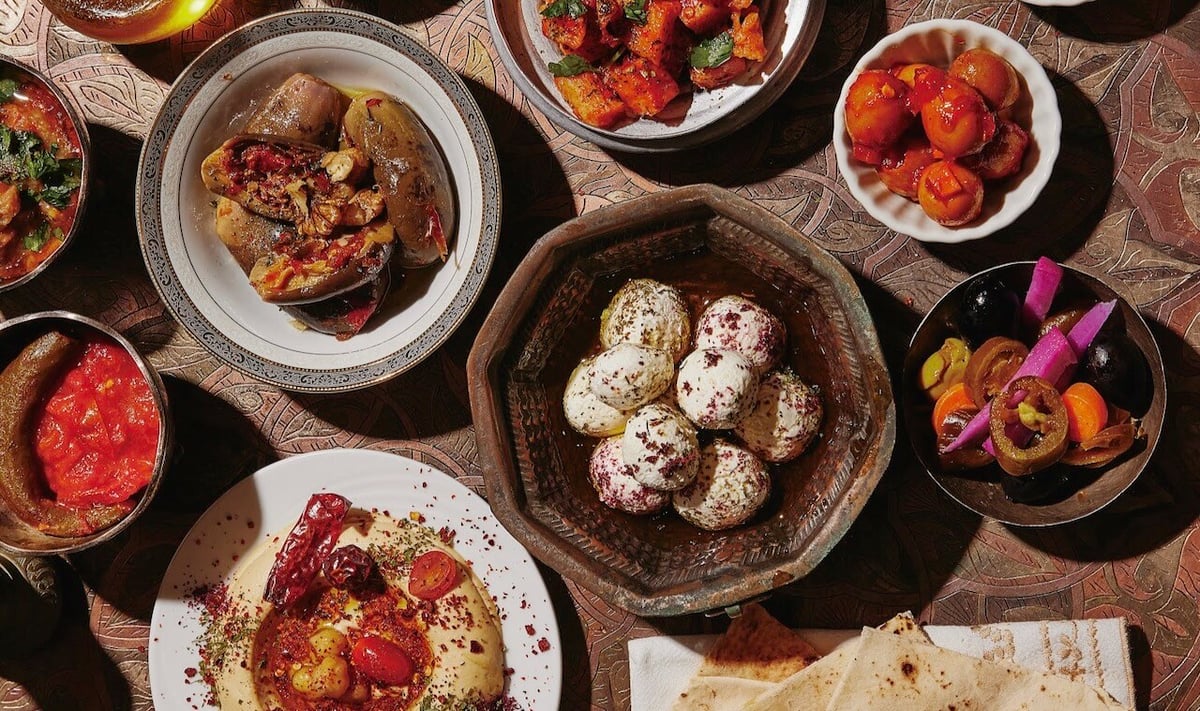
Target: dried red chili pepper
column 306, row 548
column 1105, row 446
column 348, row 567
column 1040, row 410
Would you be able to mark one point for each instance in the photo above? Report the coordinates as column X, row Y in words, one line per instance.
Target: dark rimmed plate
column 199, row 280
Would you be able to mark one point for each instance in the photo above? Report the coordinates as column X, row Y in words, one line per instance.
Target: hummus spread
column 453, row 641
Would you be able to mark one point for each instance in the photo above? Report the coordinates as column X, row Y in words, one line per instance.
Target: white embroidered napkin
column 1094, row 651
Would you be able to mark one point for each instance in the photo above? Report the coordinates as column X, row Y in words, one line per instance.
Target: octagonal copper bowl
column 708, row 242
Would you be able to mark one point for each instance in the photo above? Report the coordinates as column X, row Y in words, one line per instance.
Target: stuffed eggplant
column 410, row 173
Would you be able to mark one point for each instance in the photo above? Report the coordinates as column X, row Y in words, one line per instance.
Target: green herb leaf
column 635, row 11
column 38, row 237
column 8, row 88
column 565, row 8
column 571, row 65
column 713, row 52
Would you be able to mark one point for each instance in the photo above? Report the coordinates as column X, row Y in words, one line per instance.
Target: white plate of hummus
column 211, row 628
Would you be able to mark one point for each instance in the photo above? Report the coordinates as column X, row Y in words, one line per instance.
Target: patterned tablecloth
column 1123, row 200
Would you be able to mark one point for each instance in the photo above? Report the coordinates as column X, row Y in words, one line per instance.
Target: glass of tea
column 129, row 21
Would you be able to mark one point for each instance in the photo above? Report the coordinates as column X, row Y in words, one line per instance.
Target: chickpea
column 1003, row 156
column 328, row 642
column 903, row 165
column 950, row 193
column 328, row 679
column 956, row 120
column 876, row 113
column 989, row 74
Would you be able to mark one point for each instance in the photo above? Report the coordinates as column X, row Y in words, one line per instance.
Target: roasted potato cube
column 720, row 75
column 591, row 99
column 645, row 87
column 610, row 16
column 705, row 17
column 662, row 40
column 748, row 40
column 577, row 35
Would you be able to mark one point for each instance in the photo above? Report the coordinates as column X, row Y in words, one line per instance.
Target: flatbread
column 757, row 646
column 755, row 653
column 720, row 693
column 811, row 689
column 892, row 671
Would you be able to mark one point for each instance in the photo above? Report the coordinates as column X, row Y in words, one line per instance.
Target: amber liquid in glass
column 129, row 21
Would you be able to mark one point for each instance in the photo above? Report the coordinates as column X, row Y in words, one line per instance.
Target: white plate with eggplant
column 319, row 200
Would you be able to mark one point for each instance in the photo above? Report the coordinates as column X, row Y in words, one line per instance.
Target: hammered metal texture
column 1124, row 202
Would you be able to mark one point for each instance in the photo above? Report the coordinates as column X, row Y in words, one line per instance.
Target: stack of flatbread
column 762, row 665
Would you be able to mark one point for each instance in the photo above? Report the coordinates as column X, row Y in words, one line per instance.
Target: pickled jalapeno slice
column 991, row 367
column 1028, row 425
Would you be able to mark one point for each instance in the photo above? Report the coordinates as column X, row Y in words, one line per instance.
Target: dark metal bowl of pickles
column 1120, row 362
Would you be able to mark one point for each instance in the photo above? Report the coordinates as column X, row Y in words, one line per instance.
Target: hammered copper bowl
column 708, row 242
column 17, row 333
column 981, row 490
column 11, row 68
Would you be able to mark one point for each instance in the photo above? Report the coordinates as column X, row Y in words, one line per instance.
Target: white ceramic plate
column 790, row 29
column 938, row 42
column 271, row 500
column 200, row 281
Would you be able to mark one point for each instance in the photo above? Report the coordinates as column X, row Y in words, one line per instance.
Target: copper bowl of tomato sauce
column 44, row 172
column 85, row 433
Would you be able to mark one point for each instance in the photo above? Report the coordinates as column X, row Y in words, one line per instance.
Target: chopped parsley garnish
column 635, row 11
column 38, row 173
column 571, row 65
column 8, row 89
column 39, row 236
column 565, row 8
column 713, row 52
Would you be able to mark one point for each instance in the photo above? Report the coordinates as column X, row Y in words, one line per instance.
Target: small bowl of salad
column 43, row 172
column 1034, row 393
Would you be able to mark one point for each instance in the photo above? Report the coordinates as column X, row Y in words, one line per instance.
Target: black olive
column 1118, row 369
column 989, row 308
column 1049, row 486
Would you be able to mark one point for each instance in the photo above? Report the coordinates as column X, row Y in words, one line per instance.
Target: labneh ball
column 649, row 313
column 715, row 388
column 660, row 445
column 785, row 418
column 731, row 485
column 629, row 375
column 586, row 413
column 613, row 480
column 736, row 323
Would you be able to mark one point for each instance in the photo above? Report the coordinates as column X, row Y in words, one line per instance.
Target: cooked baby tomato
column 876, row 113
column 382, row 661
column 1003, row 155
column 950, row 193
column 903, row 164
column 956, row 119
column 434, row 574
column 989, row 74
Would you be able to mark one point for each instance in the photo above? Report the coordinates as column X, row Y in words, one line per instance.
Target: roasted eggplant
column 293, row 181
column 303, row 108
column 410, row 173
column 345, row 315
column 318, row 268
